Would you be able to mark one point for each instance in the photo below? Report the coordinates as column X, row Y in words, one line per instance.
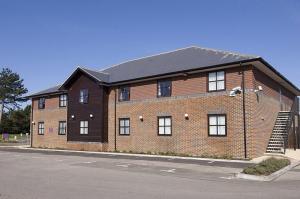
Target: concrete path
column 294, row 154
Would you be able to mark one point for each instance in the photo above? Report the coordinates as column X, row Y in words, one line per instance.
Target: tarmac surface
column 30, row 174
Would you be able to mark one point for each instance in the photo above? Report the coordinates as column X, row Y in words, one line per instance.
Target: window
column 41, row 103
column 84, row 127
column 84, row 96
column 216, row 81
column 62, row 128
column 164, row 88
column 124, row 94
column 63, row 100
column 41, row 128
column 165, row 125
column 124, row 126
column 217, row 125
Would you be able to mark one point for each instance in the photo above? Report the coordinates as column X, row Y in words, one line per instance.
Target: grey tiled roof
column 101, row 76
column 174, row 61
column 184, row 59
column 53, row 89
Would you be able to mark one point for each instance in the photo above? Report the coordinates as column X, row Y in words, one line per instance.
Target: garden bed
column 267, row 167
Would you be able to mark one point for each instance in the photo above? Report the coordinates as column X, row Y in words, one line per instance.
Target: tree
column 11, row 89
column 16, row 121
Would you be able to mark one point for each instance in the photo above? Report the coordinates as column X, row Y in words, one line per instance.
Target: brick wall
column 266, row 105
column 189, row 95
column 51, row 115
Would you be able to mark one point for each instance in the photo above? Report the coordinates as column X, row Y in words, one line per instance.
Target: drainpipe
column 115, row 119
column 31, row 124
column 244, row 110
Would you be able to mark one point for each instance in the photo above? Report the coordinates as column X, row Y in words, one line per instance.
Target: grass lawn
column 267, row 167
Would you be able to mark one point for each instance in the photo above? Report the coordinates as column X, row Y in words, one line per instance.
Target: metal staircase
column 279, row 135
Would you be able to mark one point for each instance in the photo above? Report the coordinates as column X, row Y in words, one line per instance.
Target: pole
column 244, row 111
column 115, row 119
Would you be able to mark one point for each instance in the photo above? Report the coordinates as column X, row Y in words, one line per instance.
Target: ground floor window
column 41, row 128
column 62, row 128
column 84, row 127
column 217, row 125
column 165, row 125
column 124, row 126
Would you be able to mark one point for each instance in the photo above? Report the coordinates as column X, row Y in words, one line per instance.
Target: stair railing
column 291, row 123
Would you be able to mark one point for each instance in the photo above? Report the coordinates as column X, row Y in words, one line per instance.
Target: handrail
column 294, row 111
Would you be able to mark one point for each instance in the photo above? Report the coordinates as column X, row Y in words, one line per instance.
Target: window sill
column 165, row 135
column 213, row 91
column 221, row 136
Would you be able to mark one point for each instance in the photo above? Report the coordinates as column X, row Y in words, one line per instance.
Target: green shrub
column 267, row 167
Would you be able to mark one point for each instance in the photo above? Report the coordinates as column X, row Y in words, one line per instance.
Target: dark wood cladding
column 97, row 103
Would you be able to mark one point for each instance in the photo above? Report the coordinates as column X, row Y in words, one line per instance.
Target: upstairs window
column 41, row 128
column 41, row 103
column 164, row 88
column 62, row 128
column 63, row 100
column 124, row 126
column 165, row 125
column 217, row 125
column 216, row 81
column 124, row 94
column 84, row 96
column 84, row 127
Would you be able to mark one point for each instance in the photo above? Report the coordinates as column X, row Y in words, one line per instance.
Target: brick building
column 193, row 101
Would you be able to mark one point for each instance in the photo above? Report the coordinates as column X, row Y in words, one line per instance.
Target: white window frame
column 84, row 127
column 217, row 125
column 41, row 128
column 62, row 130
column 63, row 100
column 124, row 126
column 164, row 125
column 84, row 96
column 216, row 81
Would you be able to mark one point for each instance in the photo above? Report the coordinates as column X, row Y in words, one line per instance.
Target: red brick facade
column 189, row 136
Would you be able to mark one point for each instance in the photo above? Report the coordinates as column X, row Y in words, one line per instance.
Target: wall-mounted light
column 73, row 116
column 235, row 91
column 141, row 118
column 260, row 88
column 91, row 115
column 186, row 116
column 33, row 122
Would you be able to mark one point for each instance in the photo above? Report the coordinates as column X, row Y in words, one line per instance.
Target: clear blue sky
column 44, row 40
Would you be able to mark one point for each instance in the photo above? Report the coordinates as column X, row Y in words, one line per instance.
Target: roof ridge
column 95, row 70
column 227, row 52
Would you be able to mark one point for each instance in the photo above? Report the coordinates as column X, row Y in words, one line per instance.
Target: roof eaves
column 277, row 73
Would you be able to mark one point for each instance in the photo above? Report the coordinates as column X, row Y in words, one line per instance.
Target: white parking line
column 36, row 157
column 227, row 178
column 89, row 162
column 169, row 171
column 123, row 165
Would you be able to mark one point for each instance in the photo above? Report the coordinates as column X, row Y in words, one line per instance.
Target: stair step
column 279, row 133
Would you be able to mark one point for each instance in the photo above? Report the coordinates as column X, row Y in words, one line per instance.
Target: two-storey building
column 193, row 101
